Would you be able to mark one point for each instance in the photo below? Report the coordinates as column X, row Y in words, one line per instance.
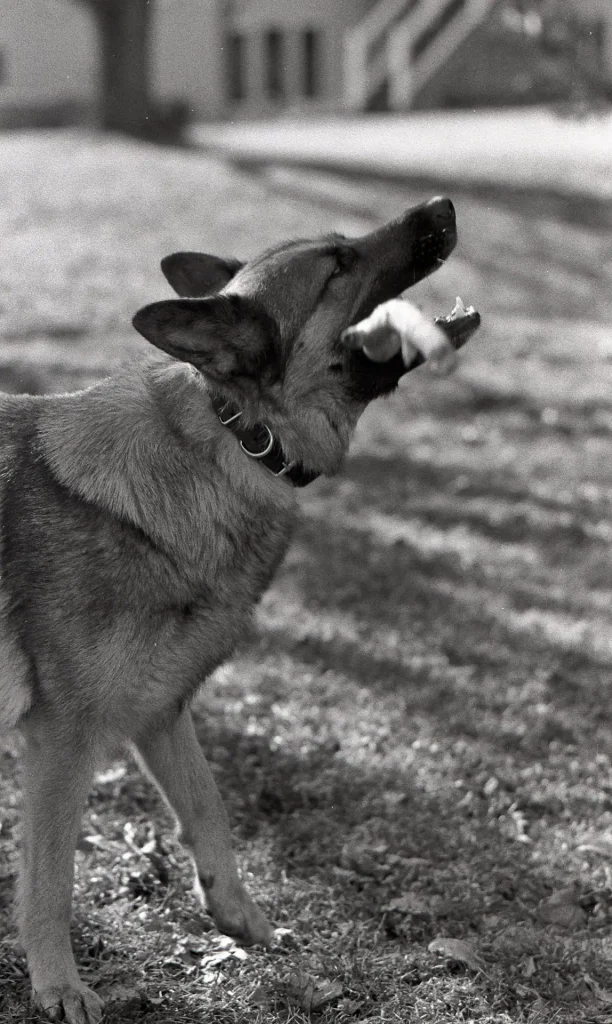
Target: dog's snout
column 441, row 211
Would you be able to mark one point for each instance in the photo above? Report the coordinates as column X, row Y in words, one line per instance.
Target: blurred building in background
column 258, row 57
column 48, row 64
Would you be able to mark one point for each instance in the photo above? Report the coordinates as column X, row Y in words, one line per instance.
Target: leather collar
column 258, row 442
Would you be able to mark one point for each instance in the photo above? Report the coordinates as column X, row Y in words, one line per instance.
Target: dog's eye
column 345, row 258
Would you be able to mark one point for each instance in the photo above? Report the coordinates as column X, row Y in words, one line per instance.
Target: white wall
column 48, row 51
column 186, row 54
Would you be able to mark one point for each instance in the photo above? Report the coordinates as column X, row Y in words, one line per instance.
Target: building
column 257, row 57
column 47, row 60
column 287, row 53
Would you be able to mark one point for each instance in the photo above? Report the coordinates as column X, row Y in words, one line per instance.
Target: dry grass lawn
column 416, row 747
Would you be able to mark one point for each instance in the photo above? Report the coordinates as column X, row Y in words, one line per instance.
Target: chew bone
column 397, row 325
column 460, row 325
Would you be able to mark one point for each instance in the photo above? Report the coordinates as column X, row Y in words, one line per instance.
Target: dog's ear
column 222, row 335
column 194, row 274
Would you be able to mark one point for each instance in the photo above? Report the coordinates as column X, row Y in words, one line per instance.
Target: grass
column 416, row 746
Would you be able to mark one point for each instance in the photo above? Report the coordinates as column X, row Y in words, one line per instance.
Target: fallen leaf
column 529, row 967
column 409, row 867
column 457, row 949
column 86, row 843
column 302, row 987
column 563, row 909
column 361, row 859
column 409, row 903
column 286, row 938
column 600, row 993
column 350, row 1006
column 313, row 995
column 325, row 993
column 129, row 997
column 259, row 996
column 490, row 786
column 114, row 774
column 600, row 846
column 214, row 959
column 392, row 798
column 517, row 940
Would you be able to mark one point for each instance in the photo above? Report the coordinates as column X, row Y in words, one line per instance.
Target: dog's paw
column 73, row 1004
column 238, row 916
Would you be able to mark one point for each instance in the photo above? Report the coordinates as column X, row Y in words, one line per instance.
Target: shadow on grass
column 374, row 192
column 399, row 727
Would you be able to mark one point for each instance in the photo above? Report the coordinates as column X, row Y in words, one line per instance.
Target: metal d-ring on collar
column 228, row 420
column 266, row 450
column 272, row 455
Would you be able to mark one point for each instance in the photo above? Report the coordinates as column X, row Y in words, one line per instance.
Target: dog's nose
column 441, row 211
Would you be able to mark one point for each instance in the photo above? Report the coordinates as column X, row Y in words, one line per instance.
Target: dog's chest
column 184, row 636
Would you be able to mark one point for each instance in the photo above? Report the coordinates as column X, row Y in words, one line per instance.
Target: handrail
column 361, row 73
column 408, row 73
column 380, row 48
column 382, row 15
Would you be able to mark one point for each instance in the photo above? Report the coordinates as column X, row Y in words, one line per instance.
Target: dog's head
column 266, row 333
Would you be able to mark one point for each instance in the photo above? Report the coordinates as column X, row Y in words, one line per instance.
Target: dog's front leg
column 175, row 760
column 58, row 766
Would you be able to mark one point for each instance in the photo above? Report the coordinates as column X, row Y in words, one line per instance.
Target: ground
column 416, row 748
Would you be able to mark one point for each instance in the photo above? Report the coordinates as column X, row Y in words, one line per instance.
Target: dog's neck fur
column 258, row 442
column 81, row 448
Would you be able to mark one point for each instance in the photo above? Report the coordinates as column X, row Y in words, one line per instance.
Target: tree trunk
column 124, row 31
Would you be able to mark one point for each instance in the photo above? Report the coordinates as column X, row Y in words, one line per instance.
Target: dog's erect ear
column 195, row 274
column 222, row 335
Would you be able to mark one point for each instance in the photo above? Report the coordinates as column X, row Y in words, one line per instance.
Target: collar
column 258, row 442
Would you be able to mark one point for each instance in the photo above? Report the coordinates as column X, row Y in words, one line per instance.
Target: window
column 311, row 59
column 274, row 65
column 235, row 66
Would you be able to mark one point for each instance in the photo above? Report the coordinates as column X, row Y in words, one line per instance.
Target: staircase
column 400, row 44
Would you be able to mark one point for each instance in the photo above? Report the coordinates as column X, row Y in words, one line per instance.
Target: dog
column 142, row 519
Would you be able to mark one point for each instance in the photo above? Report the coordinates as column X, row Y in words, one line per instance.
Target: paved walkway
column 529, row 148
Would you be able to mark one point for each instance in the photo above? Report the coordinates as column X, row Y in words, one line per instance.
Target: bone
column 396, row 326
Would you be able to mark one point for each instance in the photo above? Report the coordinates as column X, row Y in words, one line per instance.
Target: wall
column 48, row 53
column 254, row 17
column 187, row 55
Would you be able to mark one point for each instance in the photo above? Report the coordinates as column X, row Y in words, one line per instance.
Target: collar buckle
column 286, row 468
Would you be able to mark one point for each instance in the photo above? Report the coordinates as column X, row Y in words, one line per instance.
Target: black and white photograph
column 306, row 511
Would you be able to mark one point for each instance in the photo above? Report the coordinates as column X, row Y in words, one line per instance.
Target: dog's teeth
column 459, row 309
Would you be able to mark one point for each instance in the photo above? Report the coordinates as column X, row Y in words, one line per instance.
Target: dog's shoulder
column 147, row 446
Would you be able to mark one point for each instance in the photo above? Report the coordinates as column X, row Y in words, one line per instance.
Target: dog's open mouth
column 375, row 349
column 460, row 324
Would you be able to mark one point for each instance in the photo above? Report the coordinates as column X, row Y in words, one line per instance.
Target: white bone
column 398, row 325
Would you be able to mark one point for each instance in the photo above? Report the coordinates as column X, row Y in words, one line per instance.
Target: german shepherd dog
column 142, row 519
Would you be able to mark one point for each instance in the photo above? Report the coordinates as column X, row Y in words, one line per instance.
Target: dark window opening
column 311, row 44
column 274, row 65
column 235, row 65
